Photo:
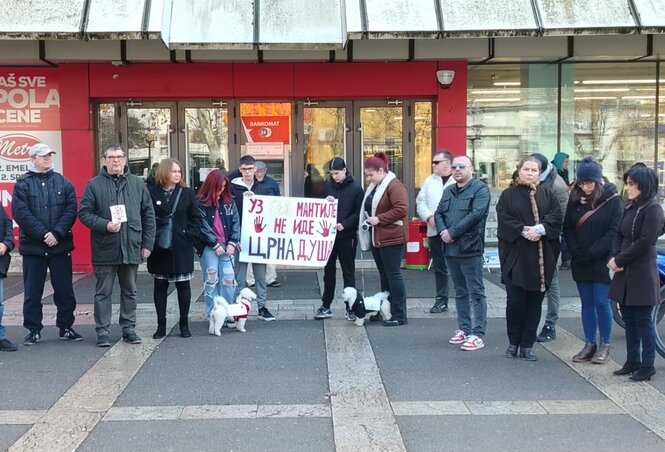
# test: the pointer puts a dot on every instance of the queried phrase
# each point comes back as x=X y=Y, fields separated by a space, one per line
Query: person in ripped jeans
x=220 y=234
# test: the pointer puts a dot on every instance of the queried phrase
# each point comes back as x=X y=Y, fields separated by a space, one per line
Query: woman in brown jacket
x=636 y=284
x=383 y=229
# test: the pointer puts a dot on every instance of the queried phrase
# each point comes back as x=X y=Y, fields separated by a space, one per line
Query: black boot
x=184 y=328
x=161 y=329
x=511 y=352
x=527 y=354
x=547 y=334
x=628 y=368
x=644 y=374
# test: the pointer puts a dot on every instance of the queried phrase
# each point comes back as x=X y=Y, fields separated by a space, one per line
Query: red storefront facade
x=82 y=86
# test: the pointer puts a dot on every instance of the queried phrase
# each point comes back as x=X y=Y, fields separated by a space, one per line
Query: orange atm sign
x=267 y=129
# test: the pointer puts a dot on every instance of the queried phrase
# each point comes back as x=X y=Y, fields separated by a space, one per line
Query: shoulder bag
x=164 y=230
x=586 y=216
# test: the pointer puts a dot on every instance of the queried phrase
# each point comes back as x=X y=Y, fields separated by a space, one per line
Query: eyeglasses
x=251 y=168
x=458 y=166
x=114 y=157
x=436 y=162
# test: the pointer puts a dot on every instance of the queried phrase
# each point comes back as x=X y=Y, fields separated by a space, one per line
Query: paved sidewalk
x=317 y=385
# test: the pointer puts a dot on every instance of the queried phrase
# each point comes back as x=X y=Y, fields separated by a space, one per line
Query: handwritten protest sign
x=288 y=231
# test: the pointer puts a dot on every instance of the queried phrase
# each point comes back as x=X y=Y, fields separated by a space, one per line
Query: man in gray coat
x=117 y=208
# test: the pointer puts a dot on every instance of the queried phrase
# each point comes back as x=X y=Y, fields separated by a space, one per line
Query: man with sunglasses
x=426 y=203
x=460 y=221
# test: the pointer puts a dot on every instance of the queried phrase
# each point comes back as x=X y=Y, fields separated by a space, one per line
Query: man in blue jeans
x=460 y=222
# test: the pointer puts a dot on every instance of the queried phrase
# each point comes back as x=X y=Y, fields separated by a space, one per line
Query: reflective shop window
x=106 y=127
x=660 y=159
x=148 y=139
x=324 y=130
x=423 y=142
x=614 y=114
x=607 y=111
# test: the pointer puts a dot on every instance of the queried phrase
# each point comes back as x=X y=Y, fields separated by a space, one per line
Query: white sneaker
x=473 y=342
x=458 y=338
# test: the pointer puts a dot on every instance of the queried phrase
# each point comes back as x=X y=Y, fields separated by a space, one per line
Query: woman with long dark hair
x=343 y=187
x=218 y=238
x=384 y=214
x=590 y=224
x=636 y=284
x=176 y=264
x=529 y=225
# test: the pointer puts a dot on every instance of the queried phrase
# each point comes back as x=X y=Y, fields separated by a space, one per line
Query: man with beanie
x=426 y=203
x=550 y=179
x=44 y=207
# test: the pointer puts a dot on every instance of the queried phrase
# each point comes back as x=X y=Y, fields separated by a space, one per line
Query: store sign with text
x=29 y=114
x=266 y=129
x=287 y=231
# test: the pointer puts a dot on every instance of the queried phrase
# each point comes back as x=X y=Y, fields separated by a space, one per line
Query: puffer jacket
x=124 y=247
x=349 y=197
x=429 y=197
x=551 y=179
x=463 y=212
x=42 y=203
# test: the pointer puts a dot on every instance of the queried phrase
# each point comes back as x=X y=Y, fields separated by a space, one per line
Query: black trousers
x=345 y=251
x=523 y=309
x=640 y=333
x=34 y=277
x=388 y=261
x=440 y=268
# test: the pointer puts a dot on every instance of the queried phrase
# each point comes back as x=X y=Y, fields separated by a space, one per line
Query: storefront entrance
x=295 y=139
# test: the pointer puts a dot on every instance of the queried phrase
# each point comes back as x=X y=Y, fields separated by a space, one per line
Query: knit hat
x=588 y=170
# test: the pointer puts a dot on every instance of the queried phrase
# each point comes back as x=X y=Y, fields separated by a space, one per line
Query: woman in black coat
x=636 y=284
x=591 y=221
x=529 y=225
x=177 y=263
x=343 y=187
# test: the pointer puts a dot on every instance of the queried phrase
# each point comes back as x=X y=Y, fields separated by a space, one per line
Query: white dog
x=361 y=307
x=222 y=309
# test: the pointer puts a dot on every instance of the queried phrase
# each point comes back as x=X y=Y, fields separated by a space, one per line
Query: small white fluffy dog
x=362 y=307
x=220 y=311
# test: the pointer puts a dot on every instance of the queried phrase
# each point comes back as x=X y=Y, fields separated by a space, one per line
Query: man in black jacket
x=44 y=207
x=460 y=221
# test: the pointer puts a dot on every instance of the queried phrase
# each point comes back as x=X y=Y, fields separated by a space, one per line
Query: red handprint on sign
x=258 y=225
x=325 y=228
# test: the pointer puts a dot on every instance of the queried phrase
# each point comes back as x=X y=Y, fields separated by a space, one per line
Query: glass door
x=324 y=137
x=149 y=132
x=380 y=129
x=204 y=140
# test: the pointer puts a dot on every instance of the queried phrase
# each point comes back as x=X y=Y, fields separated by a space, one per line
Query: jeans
x=345 y=251
x=639 y=331
x=259 y=280
x=467 y=274
x=34 y=277
x=106 y=274
x=212 y=266
x=523 y=309
x=2 y=306
x=553 y=293
x=440 y=268
x=596 y=311
x=388 y=261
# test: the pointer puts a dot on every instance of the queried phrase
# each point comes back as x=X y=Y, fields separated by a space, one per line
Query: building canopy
x=321 y=24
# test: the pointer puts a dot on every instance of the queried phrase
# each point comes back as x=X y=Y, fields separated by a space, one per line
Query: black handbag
x=164 y=230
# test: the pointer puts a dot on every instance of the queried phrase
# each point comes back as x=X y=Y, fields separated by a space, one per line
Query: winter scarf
x=536 y=216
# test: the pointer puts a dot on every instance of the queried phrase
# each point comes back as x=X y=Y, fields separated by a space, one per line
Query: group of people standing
x=601 y=232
